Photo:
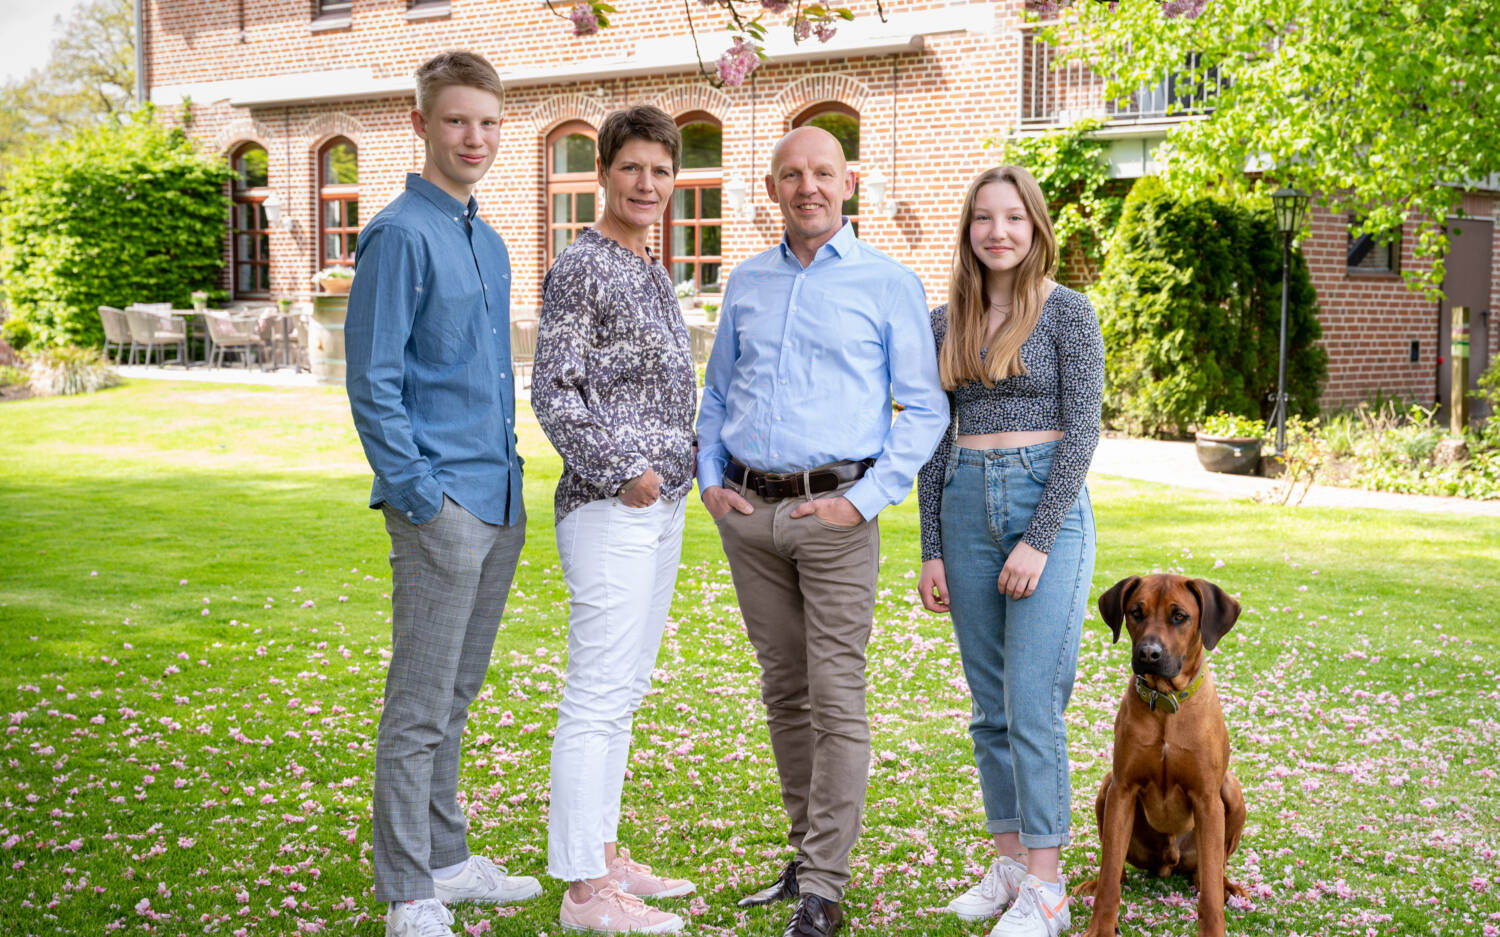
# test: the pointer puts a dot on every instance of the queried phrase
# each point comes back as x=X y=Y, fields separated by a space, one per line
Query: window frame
x=249 y=196
x=696 y=181
x=572 y=184
x=1367 y=243
x=336 y=192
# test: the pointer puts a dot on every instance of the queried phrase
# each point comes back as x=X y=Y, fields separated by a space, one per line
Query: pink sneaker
x=611 y=911
x=636 y=878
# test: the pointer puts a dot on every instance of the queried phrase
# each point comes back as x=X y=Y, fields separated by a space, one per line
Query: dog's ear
x=1112 y=603
x=1217 y=612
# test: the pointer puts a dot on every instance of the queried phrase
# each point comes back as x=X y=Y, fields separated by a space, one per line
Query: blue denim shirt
x=807 y=361
x=427 y=341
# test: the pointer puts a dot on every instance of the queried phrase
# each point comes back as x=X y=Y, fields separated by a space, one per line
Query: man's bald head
x=808 y=141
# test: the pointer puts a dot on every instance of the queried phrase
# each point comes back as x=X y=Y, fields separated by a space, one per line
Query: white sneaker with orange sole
x=1038 y=912
x=611 y=911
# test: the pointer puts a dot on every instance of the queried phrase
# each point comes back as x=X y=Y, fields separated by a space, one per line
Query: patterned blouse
x=613 y=383
x=1061 y=389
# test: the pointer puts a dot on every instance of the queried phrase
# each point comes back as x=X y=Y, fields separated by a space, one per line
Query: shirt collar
x=843 y=243
x=449 y=205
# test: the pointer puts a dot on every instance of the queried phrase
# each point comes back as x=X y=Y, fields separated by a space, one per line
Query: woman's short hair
x=459 y=67
x=641 y=122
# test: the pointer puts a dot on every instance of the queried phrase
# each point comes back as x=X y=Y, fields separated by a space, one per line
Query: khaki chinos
x=807 y=591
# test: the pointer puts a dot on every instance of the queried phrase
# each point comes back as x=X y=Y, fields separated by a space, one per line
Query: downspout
x=140 y=53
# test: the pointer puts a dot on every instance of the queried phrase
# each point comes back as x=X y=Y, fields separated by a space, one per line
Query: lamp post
x=1289 y=206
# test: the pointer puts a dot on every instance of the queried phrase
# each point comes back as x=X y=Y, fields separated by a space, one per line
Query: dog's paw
x=1085 y=889
x=1230 y=888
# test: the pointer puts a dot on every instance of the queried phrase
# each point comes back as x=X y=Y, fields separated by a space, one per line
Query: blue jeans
x=1019 y=655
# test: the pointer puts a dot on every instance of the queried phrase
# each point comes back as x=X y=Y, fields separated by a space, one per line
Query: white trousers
x=620 y=566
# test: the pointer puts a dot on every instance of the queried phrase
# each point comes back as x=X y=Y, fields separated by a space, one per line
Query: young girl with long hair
x=1008 y=531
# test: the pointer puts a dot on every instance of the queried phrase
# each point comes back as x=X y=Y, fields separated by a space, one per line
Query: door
x=1466 y=282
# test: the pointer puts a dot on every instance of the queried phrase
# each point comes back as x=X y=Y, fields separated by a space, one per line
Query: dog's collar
x=1172 y=700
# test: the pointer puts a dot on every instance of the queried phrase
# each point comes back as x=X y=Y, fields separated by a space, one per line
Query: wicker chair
x=523 y=348
x=151 y=327
x=116 y=331
x=230 y=334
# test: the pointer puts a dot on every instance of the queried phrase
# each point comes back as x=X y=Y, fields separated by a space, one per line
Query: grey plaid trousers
x=449 y=581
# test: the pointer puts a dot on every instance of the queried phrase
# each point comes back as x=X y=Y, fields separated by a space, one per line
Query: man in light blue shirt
x=798 y=454
x=430 y=387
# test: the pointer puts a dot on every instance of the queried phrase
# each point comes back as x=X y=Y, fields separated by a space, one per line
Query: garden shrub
x=1190 y=305
x=68 y=369
x=112 y=215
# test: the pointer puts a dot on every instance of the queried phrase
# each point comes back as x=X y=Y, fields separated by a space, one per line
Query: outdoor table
x=286 y=339
x=187 y=316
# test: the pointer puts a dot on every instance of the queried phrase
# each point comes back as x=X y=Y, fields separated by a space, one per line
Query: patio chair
x=523 y=348
x=116 y=331
x=230 y=334
x=151 y=327
x=702 y=338
x=285 y=335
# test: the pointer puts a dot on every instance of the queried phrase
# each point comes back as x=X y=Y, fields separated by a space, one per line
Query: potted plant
x=335 y=279
x=1230 y=443
x=200 y=301
x=284 y=304
x=710 y=312
x=687 y=295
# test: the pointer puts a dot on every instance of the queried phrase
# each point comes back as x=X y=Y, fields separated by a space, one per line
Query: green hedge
x=110 y=216
x=1190 y=305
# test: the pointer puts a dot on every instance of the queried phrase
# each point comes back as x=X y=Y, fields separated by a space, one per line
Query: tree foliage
x=1190 y=305
x=1072 y=169
x=89 y=78
x=114 y=214
x=1377 y=107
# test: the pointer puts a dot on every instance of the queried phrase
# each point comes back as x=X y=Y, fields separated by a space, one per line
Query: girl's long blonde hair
x=959 y=360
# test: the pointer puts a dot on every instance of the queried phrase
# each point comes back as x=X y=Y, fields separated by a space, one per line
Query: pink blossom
x=825 y=30
x=737 y=62
x=585 y=22
x=775 y=6
x=801 y=28
x=1188 y=8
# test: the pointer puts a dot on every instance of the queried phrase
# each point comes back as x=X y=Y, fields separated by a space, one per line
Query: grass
x=194 y=620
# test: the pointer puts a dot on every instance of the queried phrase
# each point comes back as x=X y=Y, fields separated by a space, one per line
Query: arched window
x=842 y=121
x=250 y=235
x=572 y=184
x=692 y=228
x=338 y=202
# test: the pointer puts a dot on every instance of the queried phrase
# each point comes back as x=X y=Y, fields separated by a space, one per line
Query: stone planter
x=1233 y=455
x=325 y=339
x=336 y=286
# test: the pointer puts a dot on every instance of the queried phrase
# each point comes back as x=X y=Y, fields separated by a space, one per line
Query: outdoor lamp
x=876 y=185
x=272 y=206
x=1289 y=206
x=735 y=189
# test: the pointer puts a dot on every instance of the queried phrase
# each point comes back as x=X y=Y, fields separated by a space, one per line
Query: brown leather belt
x=775 y=486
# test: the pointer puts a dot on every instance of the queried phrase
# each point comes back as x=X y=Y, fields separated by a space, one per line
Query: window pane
x=352 y=242
x=573 y=153
x=250 y=168
x=584 y=205
x=711 y=202
x=682 y=241
x=684 y=205
x=243 y=278
x=263 y=276
x=261 y=223
x=242 y=246
x=340 y=164
x=682 y=273
x=708 y=239
x=561 y=237
x=702 y=146
x=562 y=208
x=331 y=214
x=710 y=275
x=263 y=246
x=351 y=214
x=330 y=247
x=843 y=127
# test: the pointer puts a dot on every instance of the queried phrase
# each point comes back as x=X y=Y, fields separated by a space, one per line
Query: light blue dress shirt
x=427 y=341
x=807 y=361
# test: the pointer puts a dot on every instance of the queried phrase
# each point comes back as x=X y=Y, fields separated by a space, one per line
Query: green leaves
x=112 y=215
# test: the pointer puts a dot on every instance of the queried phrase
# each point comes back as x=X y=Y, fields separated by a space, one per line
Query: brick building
x=309 y=100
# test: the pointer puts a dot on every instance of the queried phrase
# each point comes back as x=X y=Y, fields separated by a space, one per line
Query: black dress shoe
x=783 y=889
x=814 y=917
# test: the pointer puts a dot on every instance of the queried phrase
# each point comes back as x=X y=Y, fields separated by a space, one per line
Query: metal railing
x=1056 y=92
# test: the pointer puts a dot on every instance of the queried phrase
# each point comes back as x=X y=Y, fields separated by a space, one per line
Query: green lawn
x=193 y=623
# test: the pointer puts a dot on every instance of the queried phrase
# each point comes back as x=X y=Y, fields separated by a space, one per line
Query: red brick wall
x=946 y=99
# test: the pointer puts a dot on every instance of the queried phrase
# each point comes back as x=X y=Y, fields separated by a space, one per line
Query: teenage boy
x=430 y=386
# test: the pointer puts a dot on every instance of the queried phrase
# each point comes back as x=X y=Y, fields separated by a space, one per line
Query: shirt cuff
x=866 y=498
x=710 y=472
x=421 y=502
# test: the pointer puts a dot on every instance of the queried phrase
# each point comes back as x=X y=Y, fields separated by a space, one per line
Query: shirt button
x=783 y=380
x=801 y=276
x=494 y=331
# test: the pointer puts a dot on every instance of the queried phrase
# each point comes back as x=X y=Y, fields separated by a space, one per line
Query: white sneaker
x=1038 y=912
x=993 y=894
x=485 y=882
x=424 y=918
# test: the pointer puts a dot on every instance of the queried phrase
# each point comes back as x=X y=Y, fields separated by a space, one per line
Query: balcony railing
x=1056 y=93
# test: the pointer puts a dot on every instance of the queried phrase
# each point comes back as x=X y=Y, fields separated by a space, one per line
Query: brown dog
x=1171 y=804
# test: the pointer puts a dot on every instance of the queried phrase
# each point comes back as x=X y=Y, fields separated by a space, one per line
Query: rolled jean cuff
x=1003 y=826
x=1044 y=840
